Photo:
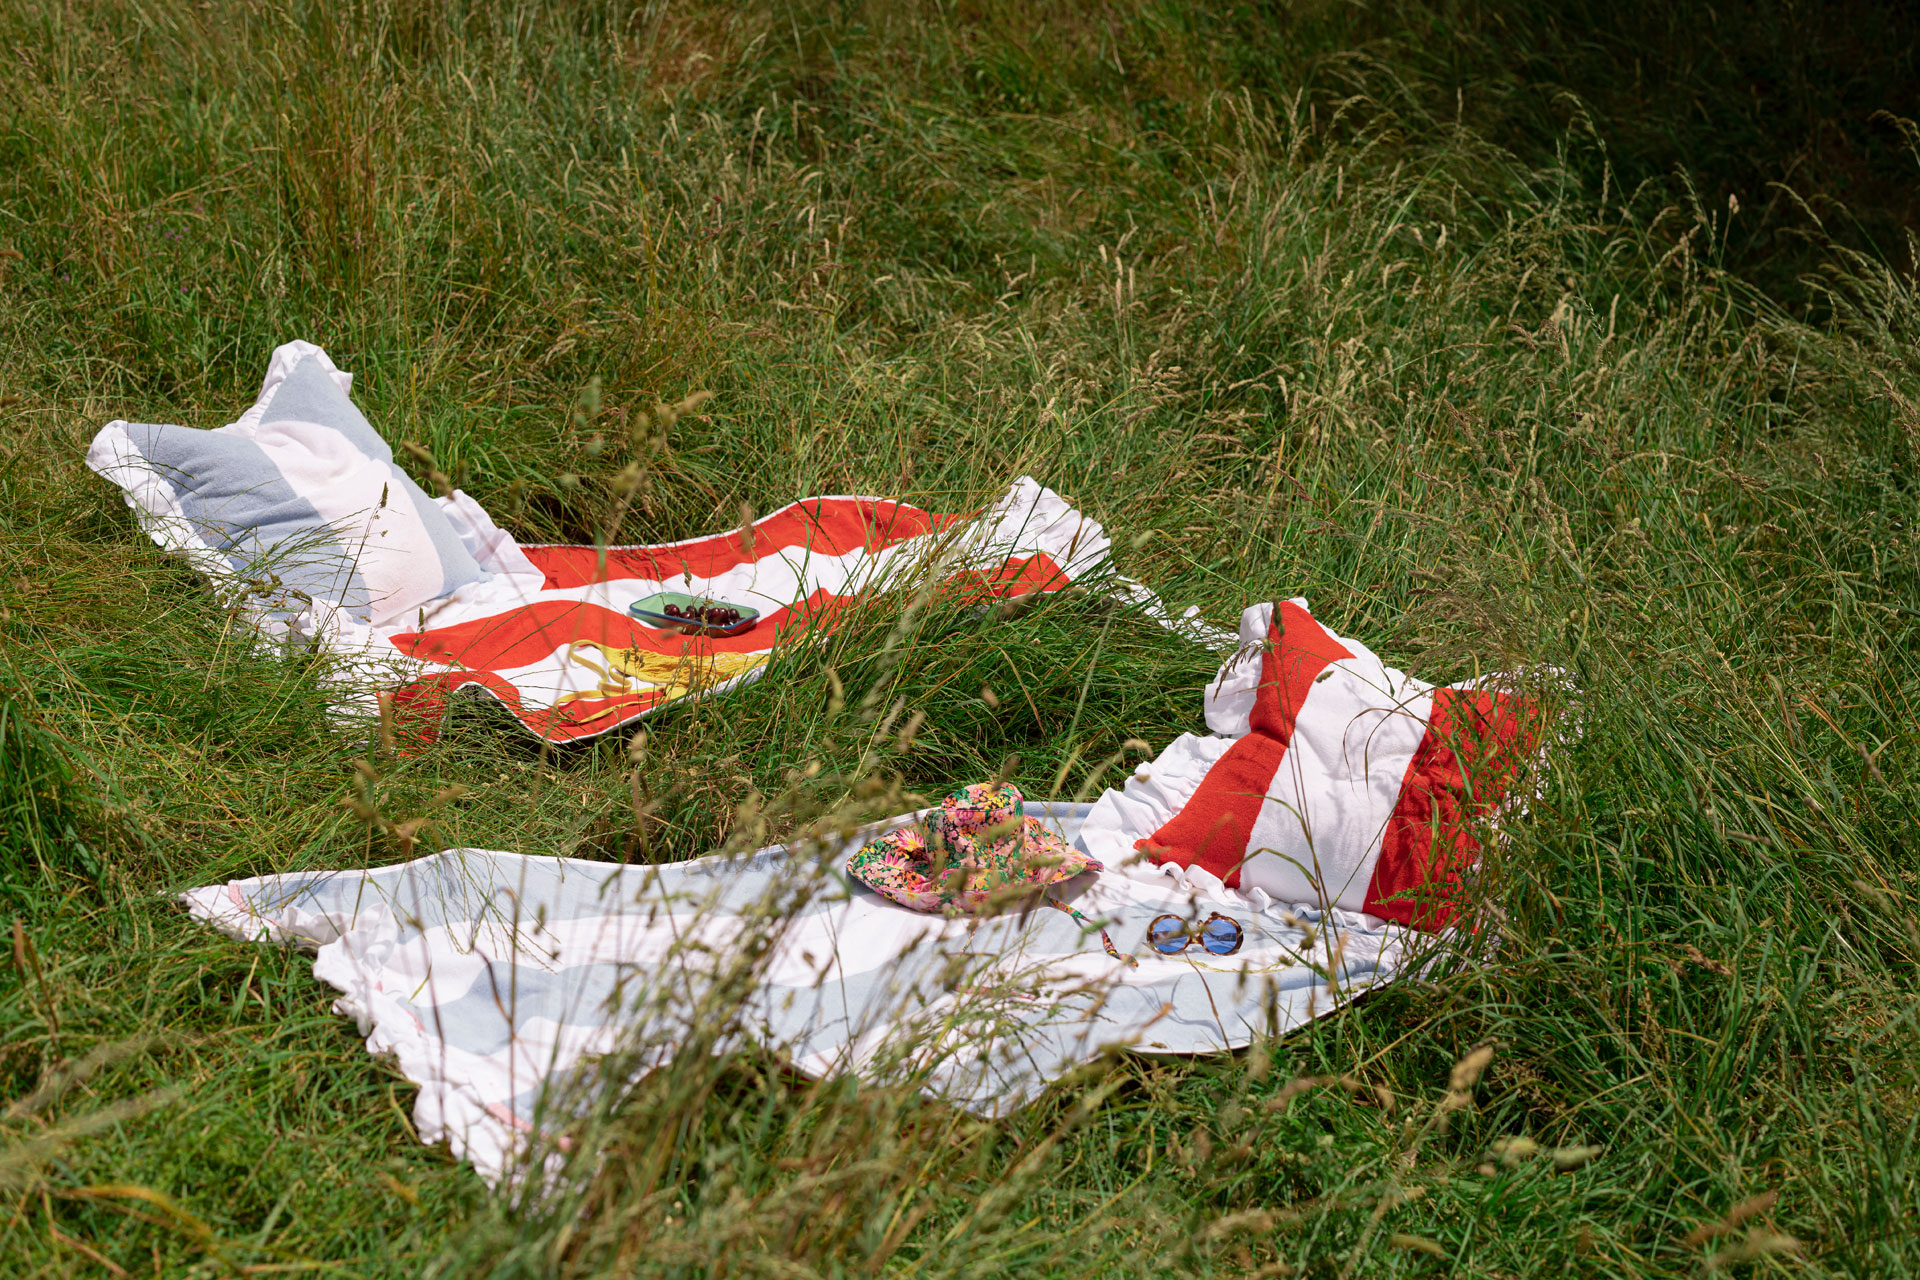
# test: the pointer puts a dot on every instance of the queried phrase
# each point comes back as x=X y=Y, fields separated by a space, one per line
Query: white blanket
x=492 y=977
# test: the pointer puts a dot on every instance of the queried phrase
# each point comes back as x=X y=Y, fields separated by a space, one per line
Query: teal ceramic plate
x=690 y=618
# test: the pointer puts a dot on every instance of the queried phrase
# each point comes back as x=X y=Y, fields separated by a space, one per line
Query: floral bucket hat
x=977 y=842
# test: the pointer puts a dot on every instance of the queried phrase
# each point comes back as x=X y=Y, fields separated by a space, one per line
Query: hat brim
x=1051 y=859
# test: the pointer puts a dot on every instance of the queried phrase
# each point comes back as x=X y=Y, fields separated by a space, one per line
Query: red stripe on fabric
x=423 y=703
x=823 y=526
x=1017 y=577
x=584 y=718
x=420 y=705
x=1465 y=764
x=1297 y=650
x=1212 y=829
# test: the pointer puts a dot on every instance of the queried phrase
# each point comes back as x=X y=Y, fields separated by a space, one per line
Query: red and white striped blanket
x=548 y=634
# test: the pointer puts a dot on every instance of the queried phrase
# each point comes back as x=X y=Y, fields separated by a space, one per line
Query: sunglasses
x=1217 y=935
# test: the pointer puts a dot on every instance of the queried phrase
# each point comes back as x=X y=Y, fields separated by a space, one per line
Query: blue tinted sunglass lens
x=1167 y=936
x=1221 y=937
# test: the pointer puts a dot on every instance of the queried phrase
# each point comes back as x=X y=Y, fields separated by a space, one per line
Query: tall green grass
x=1249 y=300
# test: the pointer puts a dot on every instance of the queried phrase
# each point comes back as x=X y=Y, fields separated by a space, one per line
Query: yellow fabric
x=624 y=672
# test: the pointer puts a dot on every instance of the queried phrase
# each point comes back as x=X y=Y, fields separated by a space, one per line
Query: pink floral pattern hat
x=979 y=841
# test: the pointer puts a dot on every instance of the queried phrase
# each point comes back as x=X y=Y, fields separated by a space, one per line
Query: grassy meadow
x=1263 y=290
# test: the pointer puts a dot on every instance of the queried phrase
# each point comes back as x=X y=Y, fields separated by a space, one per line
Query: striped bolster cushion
x=1340 y=781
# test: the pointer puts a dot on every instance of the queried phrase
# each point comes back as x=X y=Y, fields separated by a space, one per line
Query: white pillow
x=301 y=489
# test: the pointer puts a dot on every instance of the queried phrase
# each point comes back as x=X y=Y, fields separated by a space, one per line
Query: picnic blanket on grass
x=494 y=979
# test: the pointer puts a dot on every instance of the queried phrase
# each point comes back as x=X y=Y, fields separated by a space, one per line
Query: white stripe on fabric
x=1149 y=799
x=491 y=547
x=371 y=515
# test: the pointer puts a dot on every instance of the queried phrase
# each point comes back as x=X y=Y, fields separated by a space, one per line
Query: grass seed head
x=1745 y=1210
x=1568 y=1159
x=1465 y=1075
x=1417 y=1244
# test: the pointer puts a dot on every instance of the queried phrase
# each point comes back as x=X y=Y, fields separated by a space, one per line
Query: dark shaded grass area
x=1794 y=110
x=1249 y=293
